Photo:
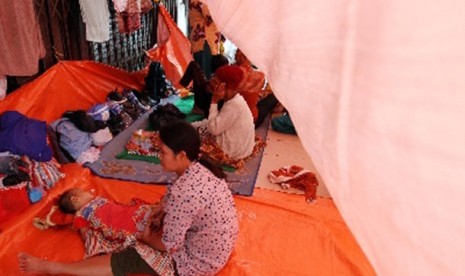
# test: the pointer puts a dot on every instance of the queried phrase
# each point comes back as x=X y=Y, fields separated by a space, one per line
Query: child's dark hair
x=65 y=204
x=182 y=136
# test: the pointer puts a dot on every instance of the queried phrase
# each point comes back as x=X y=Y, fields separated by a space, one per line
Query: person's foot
x=31 y=264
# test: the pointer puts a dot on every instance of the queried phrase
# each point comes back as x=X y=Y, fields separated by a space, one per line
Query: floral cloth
x=296 y=177
x=202 y=28
x=111 y=227
x=144 y=143
x=211 y=149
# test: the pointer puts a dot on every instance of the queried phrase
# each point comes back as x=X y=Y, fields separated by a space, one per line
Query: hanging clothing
x=128 y=13
x=202 y=28
x=204 y=36
x=96 y=16
x=21 y=43
x=3 y=87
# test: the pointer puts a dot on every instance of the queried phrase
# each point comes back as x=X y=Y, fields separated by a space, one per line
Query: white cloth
x=120 y=5
x=230 y=51
x=376 y=92
x=233 y=127
x=101 y=137
x=90 y=155
x=96 y=16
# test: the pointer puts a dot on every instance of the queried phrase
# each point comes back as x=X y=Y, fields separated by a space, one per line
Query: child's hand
x=156 y=208
x=149 y=236
x=155 y=222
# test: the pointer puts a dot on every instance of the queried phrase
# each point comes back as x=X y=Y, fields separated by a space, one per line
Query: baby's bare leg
x=98 y=265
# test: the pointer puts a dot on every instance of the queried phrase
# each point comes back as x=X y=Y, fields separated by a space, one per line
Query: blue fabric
x=99 y=112
x=35 y=194
x=283 y=124
x=24 y=136
x=73 y=140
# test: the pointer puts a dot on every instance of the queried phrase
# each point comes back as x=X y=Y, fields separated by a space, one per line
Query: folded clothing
x=22 y=135
x=70 y=138
x=296 y=177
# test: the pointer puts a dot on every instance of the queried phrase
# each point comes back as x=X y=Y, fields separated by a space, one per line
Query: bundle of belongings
x=296 y=177
x=25 y=157
x=79 y=135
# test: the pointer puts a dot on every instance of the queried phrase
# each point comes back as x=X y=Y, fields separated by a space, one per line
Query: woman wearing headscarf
x=232 y=126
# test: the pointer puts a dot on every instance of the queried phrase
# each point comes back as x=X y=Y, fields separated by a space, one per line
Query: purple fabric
x=24 y=136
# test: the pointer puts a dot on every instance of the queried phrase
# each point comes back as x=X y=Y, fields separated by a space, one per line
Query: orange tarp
x=280 y=234
x=173 y=49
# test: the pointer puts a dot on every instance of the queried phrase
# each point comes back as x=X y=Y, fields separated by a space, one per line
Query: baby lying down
x=107 y=226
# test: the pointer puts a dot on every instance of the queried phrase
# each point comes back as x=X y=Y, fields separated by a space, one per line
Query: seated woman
x=255 y=90
x=195 y=74
x=232 y=126
x=200 y=225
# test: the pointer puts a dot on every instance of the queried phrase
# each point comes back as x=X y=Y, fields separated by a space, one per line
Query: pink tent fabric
x=376 y=90
x=21 y=44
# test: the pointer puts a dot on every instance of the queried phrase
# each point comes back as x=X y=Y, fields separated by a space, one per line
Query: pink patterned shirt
x=200 y=225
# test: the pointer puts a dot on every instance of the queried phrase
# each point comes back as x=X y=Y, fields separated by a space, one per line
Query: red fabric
x=129 y=20
x=296 y=177
x=12 y=202
x=252 y=99
x=80 y=223
x=230 y=74
x=111 y=213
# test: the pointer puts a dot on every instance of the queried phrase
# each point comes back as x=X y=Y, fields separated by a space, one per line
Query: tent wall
x=376 y=92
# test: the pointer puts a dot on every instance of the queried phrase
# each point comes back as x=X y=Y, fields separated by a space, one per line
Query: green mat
x=185 y=105
x=125 y=155
x=156 y=160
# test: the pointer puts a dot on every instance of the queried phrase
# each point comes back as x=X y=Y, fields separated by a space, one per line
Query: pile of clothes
x=26 y=159
x=79 y=135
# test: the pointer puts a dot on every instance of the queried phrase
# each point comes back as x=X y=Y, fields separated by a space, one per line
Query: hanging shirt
x=21 y=44
x=96 y=16
x=202 y=28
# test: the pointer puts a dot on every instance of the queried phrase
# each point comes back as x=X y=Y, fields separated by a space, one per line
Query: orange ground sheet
x=280 y=234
